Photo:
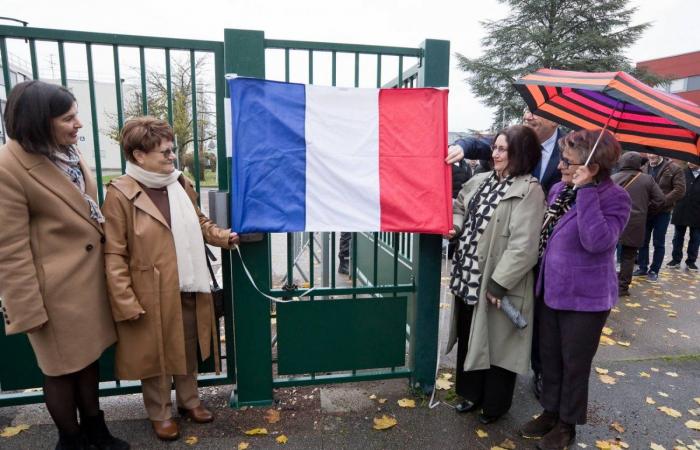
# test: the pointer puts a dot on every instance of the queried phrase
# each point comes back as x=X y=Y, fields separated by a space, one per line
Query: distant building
x=683 y=70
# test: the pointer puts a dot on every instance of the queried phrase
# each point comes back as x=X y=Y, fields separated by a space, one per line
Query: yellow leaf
x=624 y=444
x=654 y=369
x=604 y=340
x=669 y=411
x=632 y=305
x=256 y=431
x=13 y=431
x=672 y=374
x=407 y=403
x=481 y=433
x=582 y=445
x=507 y=445
x=693 y=425
x=443 y=385
x=672 y=330
x=651 y=401
x=602 y=445
x=281 y=439
x=663 y=394
x=607 y=331
x=372 y=397
x=607 y=379
x=620 y=374
x=697 y=400
x=384 y=422
x=191 y=440
x=446 y=376
x=272 y=416
x=600 y=371
x=617 y=427
x=243 y=446
x=381 y=401
x=654 y=446
x=623 y=343
x=644 y=375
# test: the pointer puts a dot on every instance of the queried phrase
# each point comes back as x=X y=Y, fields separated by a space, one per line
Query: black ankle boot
x=98 y=436
x=71 y=441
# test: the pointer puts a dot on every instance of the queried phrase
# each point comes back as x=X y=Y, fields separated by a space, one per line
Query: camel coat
x=51 y=263
x=141 y=267
x=507 y=251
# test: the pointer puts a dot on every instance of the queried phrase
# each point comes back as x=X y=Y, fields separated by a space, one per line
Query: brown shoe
x=560 y=438
x=539 y=426
x=166 y=430
x=200 y=414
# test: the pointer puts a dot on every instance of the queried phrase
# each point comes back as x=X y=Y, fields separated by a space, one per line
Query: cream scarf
x=184 y=225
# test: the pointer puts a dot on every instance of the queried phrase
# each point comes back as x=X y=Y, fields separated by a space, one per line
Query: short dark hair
x=524 y=150
x=144 y=133
x=31 y=106
x=606 y=154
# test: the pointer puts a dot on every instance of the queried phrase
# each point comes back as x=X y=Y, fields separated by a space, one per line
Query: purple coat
x=578 y=266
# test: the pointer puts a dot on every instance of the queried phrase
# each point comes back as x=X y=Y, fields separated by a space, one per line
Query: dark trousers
x=568 y=342
x=344 y=247
x=492 y=388
x=693 y=244
x=657 y=225
x=627 y=257
x=535 y=359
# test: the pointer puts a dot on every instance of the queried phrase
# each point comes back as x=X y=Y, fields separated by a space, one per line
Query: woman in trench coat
x=497 y=219
x=157 y=277
x=52 y=280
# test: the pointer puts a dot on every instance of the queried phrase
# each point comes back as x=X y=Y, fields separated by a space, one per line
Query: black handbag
x=217 y=292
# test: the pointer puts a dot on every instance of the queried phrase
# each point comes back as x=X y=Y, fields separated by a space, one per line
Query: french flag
x=317 y=158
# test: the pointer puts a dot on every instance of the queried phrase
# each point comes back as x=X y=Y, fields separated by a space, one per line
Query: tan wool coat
x=51 y=263
x=507 y=252
x=142 y=275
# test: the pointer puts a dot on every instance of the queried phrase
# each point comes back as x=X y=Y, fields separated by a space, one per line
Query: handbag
x=217 y=292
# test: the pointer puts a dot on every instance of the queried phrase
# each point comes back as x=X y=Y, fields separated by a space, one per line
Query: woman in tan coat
x=497 y=217
x=157 y=276
x=52 y=280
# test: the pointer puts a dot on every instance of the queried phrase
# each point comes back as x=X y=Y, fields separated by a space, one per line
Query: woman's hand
x=451 y=234
x=583 y=175
x=233 y=239
x=494 y=301
x=454 y=154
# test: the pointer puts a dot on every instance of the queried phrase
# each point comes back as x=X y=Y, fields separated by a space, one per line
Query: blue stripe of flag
x=269 y=156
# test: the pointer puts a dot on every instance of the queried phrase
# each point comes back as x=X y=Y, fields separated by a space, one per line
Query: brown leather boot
x=538 y=427
x=200 y=414
x=166 y=430
x=560 y=438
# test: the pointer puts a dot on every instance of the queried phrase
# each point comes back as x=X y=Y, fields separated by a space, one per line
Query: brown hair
x=606 y=154
x=523 y=149
x=144 y=133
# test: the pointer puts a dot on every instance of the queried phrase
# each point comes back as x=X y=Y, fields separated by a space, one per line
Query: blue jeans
x=657 y=226
x=693 y=244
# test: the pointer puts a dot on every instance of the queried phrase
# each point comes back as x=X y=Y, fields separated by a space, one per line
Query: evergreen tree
x=586 y=35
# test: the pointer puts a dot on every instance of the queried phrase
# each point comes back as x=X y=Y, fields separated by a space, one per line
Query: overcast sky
x=404 y=23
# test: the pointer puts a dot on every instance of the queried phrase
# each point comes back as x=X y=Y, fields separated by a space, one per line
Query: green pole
x=244 y=53
x=434 y=72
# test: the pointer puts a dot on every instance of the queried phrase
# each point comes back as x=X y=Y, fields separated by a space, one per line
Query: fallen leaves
x=632 y=305
x=607 y=331
x=381 y=401
x=617 y=427
x=651 y=401
x=624 y=343
x=697 y=400
x=406 y=403
x=601 y=371
x=654 y=446
x=443 y=383
x=13 y=431
x=481 y=433
x=604 y=340
x=644 y=375
x=672 y=374
x=607 y=379
x=281 y=439
x=272 y=416
x=191 y=440
x=256 y=431
x=505 y=445
x=663 y=394
x=693 y=425
x=243 y=446
x=669 y=411
x=384 y=423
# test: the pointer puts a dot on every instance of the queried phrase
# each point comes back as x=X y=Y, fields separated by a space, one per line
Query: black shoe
x=639 y=273
x=691 y=267
x=486 y=419
x=673 y=264
x=560 y=438
x=344 y=267
x=98 y=436
x=466 y=406
x=537 y=385
x=623 y=293
x=71 y=442
x=540 y=426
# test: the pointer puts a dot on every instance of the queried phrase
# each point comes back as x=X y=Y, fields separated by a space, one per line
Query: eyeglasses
x=568 y=163
x=497 y=149
x=167 y=153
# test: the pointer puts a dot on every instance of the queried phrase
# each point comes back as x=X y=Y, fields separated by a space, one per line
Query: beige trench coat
x=507 y=252
x=51 y=263
x=142 y=275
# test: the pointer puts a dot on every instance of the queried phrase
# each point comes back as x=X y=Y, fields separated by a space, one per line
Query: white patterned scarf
x=69 y=163
x=184 y=225
x=465 y=281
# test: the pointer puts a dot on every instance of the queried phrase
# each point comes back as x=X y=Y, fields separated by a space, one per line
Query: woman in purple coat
x=586 y=215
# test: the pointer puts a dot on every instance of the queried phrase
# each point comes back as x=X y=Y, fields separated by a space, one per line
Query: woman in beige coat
x=52 y=280
x=157 y=276
x=497 y=219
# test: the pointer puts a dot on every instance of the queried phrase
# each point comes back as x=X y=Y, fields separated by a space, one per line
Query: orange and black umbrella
x=641 y=117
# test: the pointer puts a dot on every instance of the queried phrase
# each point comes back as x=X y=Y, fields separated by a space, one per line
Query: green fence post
x=427 y=251
x=244 y=52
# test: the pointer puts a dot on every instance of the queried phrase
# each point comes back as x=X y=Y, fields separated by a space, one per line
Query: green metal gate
x=383 y=325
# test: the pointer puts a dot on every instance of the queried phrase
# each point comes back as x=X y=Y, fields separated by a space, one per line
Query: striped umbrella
x=641 y=117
